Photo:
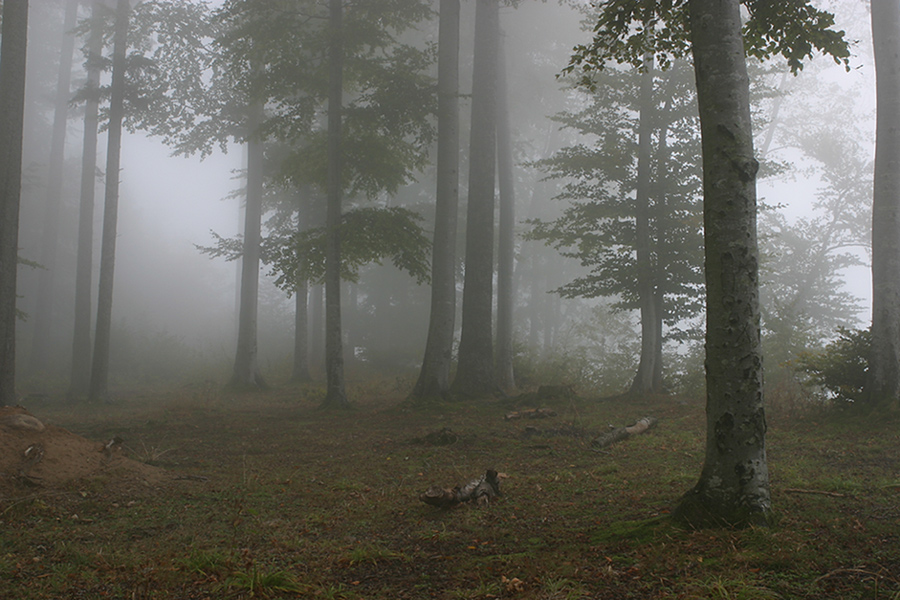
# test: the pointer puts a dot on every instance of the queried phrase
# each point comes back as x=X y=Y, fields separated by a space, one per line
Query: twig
x=819 y=492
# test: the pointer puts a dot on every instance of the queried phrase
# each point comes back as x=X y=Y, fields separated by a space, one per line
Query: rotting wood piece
x=621 y=433
x=481 y=490
x=533 y=413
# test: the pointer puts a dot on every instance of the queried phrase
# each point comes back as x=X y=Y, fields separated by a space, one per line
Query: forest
x=539 y=299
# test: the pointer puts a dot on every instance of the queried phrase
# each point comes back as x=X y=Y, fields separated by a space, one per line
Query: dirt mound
x=33 y=454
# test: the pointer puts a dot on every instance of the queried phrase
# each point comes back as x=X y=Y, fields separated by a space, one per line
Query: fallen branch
x=622 y=433
x=533 y=413
x=481 y=490
x=819 y=492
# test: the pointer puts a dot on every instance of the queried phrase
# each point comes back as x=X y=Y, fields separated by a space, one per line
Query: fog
x=175 y=309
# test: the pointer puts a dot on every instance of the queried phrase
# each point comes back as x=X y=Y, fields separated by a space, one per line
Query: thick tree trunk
x=335 y=394
x=734 y=484
x=651 y=334
x=883 y=386
x=246 y=374
x=434 y=378
x=475 y=371
x=506 y=249
x=45 y=309
x=79 y=383
x=99 y=387
x=12 y=110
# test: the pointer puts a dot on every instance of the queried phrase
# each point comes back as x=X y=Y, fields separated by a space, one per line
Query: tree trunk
x=506 y=292
x=44 y=310
x=434 y=378
x=12 y=110
x=300 y=373
x=99 y=386
x=733 y=488
x=246 y=374
x=651 y=334
x=884 y=374
x=80 y=379
x=335 y=394
x=475 y=371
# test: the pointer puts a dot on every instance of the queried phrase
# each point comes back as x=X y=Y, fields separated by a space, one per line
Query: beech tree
x=883 y=386
x=733 y=488
x=12 y=107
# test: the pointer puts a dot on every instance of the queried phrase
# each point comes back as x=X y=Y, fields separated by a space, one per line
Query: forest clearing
x=268 y=496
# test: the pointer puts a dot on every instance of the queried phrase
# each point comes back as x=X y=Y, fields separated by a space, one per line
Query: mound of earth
x=33 y=454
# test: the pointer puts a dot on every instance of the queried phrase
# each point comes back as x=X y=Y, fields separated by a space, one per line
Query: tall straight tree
x=44 y=310
x=475 y=370
x=434 y=378
x=245 y=373
x=80 y=378
x=884 y=373
x=99 y=386
x=506 y=249
x=12 y=109
x=335 y=393
x=734 y=484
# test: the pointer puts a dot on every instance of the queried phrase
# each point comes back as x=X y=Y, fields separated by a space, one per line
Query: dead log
x=481 y=490
x=621 y=433
x=532 y=413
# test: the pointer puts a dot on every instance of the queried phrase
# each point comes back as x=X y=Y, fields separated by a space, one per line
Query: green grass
x=278 y=499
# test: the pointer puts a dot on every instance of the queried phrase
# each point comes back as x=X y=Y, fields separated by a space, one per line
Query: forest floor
x=211 y=495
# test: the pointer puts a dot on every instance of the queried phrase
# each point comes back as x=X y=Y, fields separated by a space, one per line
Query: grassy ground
x=285 y=501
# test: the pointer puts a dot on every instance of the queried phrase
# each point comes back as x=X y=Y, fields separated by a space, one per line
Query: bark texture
x=884 y=374
x=434 y=378
x=79 y=382
x=246 y=374
x=99 y=387
x=733 y=489
x=12 y=109
x=335 y=393
x=45 y=309
x=475 y=371
x=506 y=249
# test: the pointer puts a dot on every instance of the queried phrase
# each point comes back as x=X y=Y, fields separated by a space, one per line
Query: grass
x=279 y=499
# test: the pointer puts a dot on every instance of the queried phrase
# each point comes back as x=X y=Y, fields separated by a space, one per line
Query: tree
x=99 y=386
x=12 y=107
x=475 y=369
x=434 y=378
x=733 y=488
x=46 y=294
x=883 y=386
x=79 y=380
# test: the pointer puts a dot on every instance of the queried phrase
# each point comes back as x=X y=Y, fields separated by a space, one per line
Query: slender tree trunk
x=12 y=111
x=335 y=393
x=733 y=488
x=650 y=332
x=434 y=378
x=80 y=378
x=99 y=387
x=475 y=372
x=44 y=311
x=317 y=326
x=884 y=372
x=506 y=291
x=300 y=372
x=246 y=374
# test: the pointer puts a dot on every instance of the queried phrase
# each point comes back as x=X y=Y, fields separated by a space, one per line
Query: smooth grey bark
x=300 y=372
x=45 y=309
x=883 y=386
x=651 y=332
x=733 y=488
x=80 y=377
x=335 y=392
x=12 y=110
x=99 y=386
x=475 y=370
x=506 y=249
x=434 y=378
x=246 y=374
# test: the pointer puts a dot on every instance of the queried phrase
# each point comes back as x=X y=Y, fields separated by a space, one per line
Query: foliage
x=842 y=368
x=625 y=31
x=598 y=226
